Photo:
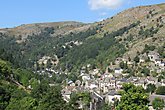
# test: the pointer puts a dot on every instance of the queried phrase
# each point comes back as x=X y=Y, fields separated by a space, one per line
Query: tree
x=110 y=70
x=4 y=98
x=40 y=90
x=161 y=51
x=49 y=64
x=72 y=77
x=136 y=59
x=5 y=69
x=151 y=88
x=161 y=90
x=27 y=103
x=148 y=48
x=133 y=98
x=13 y=105
x=106 y=106
x=34 y=82
x=52 y=100
x=123 y=65
x=83 y=97
x=158 y=104
x=23 y=76
x=145 y=71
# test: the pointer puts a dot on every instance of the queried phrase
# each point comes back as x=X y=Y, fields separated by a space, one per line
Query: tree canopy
x=160 y=90
x=133 y=98
x=158 y=104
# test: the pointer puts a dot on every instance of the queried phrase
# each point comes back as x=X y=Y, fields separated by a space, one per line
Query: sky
x=17 y=12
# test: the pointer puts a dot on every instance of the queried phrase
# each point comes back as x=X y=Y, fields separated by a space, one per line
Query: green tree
x=148 y=48
x=52 y=100
x=72 y=77
x=5 y=69
x=161 y=51
x=136 y=59
x=158 y=104
x=83 y=97
x=160 y=90
x=151 y=88
x=133 y=98
x=34 y=82
x=27 y=103
x=13 y=105
x=106 y=106
x=40 y=90
x=145 y=71
x=123 y=65
x=4 y=98
x=49 y=64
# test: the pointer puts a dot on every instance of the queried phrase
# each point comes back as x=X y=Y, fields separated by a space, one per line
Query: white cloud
x=104 y=4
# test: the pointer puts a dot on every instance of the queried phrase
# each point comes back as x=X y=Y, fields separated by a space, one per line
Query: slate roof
x=113 y=92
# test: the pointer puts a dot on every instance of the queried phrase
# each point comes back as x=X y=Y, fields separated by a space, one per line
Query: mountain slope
x=29 y=29
x=151 y=18
x=70 y=45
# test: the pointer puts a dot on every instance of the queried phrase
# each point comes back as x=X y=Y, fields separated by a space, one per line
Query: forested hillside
x=80 y=44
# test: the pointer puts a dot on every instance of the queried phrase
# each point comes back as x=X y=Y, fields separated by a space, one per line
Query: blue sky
x=17 y=12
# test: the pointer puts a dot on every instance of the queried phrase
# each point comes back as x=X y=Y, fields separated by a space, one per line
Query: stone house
x=118 y=70
x=120 y=82
x=142 y=58
x=112 y=96
x=151 y=80
x=85 y=77
x=153 y=56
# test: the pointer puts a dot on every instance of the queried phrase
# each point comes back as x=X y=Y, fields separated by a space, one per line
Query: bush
x=158 y=103
x=160 y=90
x=136 y=59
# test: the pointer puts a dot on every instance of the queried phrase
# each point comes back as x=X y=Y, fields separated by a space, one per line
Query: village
x=105 y=87
x=147 y=68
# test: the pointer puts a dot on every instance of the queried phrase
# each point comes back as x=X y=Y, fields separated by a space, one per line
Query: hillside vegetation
x=73 y=44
